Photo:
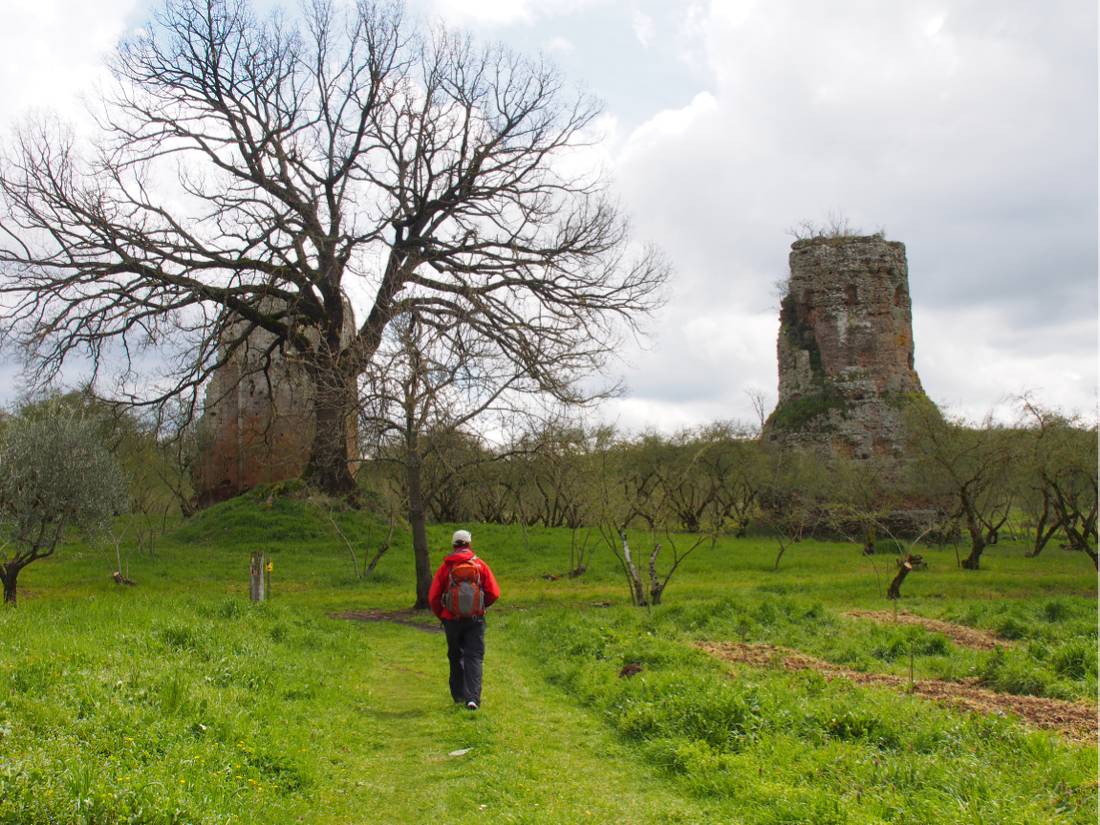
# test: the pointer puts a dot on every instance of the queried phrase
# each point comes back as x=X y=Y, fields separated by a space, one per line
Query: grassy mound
x=275 y=514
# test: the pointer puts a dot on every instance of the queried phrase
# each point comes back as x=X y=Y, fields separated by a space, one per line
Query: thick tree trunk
x=334 y=409
x=8 y=574
x=977 y=544
x=417 y=522
x=905 y=566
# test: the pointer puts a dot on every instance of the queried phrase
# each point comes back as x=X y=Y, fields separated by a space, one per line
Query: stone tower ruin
x=258 y=422
x=845 y=348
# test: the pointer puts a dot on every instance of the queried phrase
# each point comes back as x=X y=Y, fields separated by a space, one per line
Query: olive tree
x=55 y=475
x=281 y=173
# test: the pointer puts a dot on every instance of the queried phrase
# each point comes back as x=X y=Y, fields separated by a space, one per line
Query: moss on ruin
x=798 y=414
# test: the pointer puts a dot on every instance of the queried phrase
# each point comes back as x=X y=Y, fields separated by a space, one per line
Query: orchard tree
x=740 y=467
x=624 y=499
x=689 y=490
x=275 y=173
x=1062 y=464
x=428 y=386
x=969 y=465
x=795 y=496
x=55 y=474
x=561 y=474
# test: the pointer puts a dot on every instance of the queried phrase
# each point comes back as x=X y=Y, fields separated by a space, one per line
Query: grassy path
x=535 y=756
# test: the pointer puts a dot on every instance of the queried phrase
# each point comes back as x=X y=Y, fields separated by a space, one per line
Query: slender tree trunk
x=1078 y=539
x=418 y=523
x=637 y=589
x=656 y=586
x=1042 y=534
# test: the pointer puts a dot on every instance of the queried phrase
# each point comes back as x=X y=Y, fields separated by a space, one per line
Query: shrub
x=1011 y=627
x=1011 y=672
x=1055 y=611
x=1075 y=659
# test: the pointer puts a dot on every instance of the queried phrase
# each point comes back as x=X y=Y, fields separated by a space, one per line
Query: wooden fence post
x=256 y=589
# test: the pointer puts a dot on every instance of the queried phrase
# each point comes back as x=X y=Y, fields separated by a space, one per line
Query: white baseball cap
x=460 y=537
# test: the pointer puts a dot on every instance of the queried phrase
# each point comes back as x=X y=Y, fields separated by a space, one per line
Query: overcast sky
x=966 y=129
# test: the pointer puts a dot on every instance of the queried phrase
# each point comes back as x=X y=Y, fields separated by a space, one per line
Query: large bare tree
x=250 y=172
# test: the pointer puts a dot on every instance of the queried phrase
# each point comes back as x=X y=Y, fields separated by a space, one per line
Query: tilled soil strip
x=401 y=617
x=1076 y=720
x=959 y=634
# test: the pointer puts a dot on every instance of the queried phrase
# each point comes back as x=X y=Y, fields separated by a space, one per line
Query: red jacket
x=488 y=582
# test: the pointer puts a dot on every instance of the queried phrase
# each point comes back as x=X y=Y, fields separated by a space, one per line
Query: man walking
x=461 y=591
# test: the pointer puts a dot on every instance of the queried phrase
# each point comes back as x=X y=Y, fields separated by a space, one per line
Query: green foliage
x=153 y=466
x=55 y=473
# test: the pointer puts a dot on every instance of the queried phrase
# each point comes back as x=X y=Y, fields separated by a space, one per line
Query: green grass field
x=177 y=701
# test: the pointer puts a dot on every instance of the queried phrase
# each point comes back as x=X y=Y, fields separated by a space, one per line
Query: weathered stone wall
x=258 y=421
x=845 y=348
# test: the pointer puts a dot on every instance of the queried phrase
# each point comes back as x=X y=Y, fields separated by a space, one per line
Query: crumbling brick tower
x=258 y=422
x=845 y=348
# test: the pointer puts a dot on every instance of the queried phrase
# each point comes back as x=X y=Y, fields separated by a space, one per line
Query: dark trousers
x=465 y=652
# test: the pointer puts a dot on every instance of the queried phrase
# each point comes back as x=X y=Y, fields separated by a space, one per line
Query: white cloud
x=559 y=45
x=644 y=27
x=491 y=12
x=965 y=366
x=667 y=128
x=935 y=24
x=505 y=12
x=54 y=51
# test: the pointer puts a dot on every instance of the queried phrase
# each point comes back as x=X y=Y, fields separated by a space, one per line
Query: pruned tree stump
x=905 y=566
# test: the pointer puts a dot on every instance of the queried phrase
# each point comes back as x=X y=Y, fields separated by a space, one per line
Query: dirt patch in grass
x=1076 y=720
x=960 y=634
x=408 y=618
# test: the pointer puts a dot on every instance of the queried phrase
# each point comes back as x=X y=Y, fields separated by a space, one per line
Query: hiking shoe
x=472 y=705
